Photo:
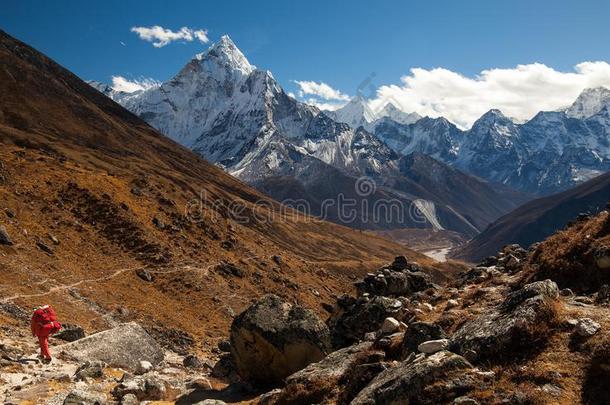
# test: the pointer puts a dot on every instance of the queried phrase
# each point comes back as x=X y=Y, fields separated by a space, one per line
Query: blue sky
x=338 y=43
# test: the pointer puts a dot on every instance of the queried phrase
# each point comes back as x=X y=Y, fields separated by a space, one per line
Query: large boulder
x=124 y=346
x=509 y=328
x=335 y=379
x=436 y=379
x=353 y=318
x=273 y=339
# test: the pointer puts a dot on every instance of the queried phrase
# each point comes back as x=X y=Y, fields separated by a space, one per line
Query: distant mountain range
x=552 y=152
x=238 y=117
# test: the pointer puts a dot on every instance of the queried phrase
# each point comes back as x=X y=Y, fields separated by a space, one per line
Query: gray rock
x=389 y=326
x=192 y=361
x=124 y=346
x=144 y=367
x=82 y=397
x=410 y=382
x=211 y=402
x=465 y=401
x=144 y=388
x=390 y=282
x=90 y=369
x=452 y=304
x=44 y=247
x=70 y=333
x=350 y=368
x=433 y=346
x=418 y=333
x=282 y=336
x=603 y=294
x=5 y=239
x=353 y=318
x=507 y=328
x=587 y=327
x=130 y=399
x=145 y=275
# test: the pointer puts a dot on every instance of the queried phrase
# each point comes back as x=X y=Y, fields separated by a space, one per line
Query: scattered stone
x=82 y=397
x=552 y=389
x=566 y=292
x=282 y=336
x=587 y=327
x=145 y=275
x=130 y=399
x=43 y=246
x=124 y=346
x=229 y=269
x=144 y=388
x=433 y=346
x=389 y=282
x=353 y=318
x=144 y=367
x=70 y=333
x=603 y=295
x=211 y=402
x=5 y=239
x=465 y=401
x=192 y=361
x=10 y=213
x=277 y=259
x=584 y=300
x=418 y=333
x=54 y=239
x=158 y=223
x=90 y=369
x=389 y=326
x=452 y=304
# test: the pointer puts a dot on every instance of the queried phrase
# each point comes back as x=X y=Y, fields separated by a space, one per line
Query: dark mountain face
x=537 y=219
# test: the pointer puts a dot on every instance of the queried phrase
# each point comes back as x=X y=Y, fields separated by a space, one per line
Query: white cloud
x=160 y=36
x=320 y=90
x=518 y=92
x=119 y=83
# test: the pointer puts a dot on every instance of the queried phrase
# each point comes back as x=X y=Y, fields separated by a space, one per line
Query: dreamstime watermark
x=361 y=205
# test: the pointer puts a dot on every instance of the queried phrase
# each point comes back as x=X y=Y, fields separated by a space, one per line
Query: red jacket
x=44 y=321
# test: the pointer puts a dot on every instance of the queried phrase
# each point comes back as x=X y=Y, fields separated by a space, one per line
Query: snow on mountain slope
x=394 y=113
x=435 y=137
x=589 y=102
x=549 y=153
x=356 y=113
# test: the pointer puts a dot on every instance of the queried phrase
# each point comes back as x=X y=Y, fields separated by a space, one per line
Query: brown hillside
x=110 y=197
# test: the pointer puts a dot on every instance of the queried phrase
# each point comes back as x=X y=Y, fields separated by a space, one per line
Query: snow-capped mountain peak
x=398 y=115
x=355 y=113
x=589 y=102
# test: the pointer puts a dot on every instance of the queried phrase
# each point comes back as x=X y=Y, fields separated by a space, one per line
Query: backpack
x=44 y=315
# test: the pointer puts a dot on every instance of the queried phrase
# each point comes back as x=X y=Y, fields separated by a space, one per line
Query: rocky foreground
x=522 y=327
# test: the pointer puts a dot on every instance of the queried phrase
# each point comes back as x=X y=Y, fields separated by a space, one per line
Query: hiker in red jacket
x=44 y=324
